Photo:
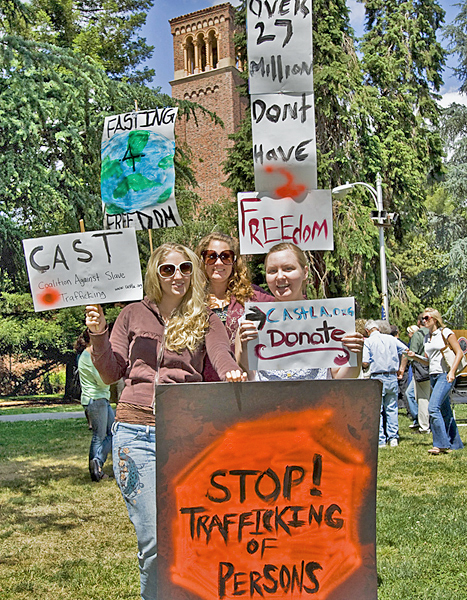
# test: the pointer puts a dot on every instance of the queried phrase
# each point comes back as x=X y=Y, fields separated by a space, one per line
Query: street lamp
x=381 y=219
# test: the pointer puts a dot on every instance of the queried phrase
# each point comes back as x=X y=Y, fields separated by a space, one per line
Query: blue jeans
x=411 y=401
x=134 y=459
x=101 y=416
x=389 y=422
x=442 y=422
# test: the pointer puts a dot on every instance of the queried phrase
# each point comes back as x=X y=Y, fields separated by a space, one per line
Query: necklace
x=215 y=302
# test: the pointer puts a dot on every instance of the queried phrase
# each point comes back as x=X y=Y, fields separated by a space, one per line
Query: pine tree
x=103 y=30
x=403 y=63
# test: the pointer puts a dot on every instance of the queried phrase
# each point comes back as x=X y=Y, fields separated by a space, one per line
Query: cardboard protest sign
x=280 y=54
x=267 y=490
x=83 y=268
x=137 y=172
x=284 y=145
x=265 y=221
x=303 y=334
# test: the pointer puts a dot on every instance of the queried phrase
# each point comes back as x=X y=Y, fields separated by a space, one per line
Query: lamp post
x=381 y=219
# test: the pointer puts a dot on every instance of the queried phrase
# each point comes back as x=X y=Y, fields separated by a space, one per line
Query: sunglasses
x=168 y=270
x=210 y=257
x=426 y=318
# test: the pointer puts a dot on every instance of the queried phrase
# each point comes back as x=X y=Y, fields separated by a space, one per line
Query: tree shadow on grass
x=32 y=494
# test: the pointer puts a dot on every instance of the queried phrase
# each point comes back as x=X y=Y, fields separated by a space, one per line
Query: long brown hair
x=239 y=284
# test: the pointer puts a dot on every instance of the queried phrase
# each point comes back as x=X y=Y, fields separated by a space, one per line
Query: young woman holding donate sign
x=162 y=339
x=286 y=274
x=228 y=285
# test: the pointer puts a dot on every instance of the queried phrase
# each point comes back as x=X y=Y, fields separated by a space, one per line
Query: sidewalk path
x=43 y=416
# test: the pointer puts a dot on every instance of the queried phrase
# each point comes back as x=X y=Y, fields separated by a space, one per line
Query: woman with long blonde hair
x=162 y=339
x=228 y=285
x=442 y=376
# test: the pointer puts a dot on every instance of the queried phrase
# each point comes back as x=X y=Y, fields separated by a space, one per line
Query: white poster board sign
x=304 y=334
x=280 y=54
x=137 y=170
x=76 y=269
x=284 y=144
x=264 y=221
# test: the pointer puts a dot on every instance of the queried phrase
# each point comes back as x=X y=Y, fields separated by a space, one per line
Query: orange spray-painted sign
x=274 y=504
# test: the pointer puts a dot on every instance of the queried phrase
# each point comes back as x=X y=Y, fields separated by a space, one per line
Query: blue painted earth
x=137 y=171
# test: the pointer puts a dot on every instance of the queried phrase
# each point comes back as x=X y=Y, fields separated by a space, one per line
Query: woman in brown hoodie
x=162 y=339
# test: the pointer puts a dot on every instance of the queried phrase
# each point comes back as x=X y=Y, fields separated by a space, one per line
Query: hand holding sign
x=256 y=314
x=95 y=319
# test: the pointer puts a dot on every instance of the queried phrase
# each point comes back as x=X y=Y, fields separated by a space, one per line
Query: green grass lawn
x=65 y=538
x=62 y=537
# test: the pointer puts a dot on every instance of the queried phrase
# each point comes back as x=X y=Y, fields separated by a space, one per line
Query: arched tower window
x=213 y=55
x=189 y=55
x=202 y=53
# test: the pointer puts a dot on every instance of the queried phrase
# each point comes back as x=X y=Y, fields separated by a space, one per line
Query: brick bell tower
x=207 y=72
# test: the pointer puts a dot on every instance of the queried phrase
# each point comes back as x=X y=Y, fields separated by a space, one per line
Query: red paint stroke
x=227 y=523
x=49 y=297
x=339 y=360
x=289 y=189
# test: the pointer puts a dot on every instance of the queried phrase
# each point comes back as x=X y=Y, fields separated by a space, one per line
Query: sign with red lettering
x=280 y=53
x=299 y=335
x=265 y=221
x=284 y=146
x=267 y=490
x=76 y=269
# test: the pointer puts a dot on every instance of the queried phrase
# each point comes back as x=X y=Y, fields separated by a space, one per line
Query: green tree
x=105 y=31
x=403 y=63
x=456 y=35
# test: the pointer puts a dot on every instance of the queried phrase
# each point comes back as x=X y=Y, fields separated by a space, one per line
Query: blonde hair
x=189 y=322
x=299 y=255
x=411 y=329
x=436 y=315
x=239 y=283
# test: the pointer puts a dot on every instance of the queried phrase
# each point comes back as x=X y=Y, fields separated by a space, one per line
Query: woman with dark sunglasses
x=228 y=285
x=162 y=339
x=442 y=423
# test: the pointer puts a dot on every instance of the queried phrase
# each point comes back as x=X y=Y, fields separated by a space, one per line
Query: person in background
x=404 y=381
x=162 y=339
x=228 y=286
x=418 y=392
x=95 y=395
x=287 y=271
x=382 y=354
x=443 y=425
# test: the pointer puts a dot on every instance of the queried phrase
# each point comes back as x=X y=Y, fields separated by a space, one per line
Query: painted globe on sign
x=137 y=171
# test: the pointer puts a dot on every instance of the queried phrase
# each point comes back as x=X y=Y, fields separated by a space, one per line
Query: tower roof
x=200 y=12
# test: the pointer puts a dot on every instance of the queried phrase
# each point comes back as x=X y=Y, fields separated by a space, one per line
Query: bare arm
x=246 y=332
x=453 y=342
x=418 y=358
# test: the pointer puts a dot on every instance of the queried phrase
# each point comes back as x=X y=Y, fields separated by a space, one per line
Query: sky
x=157 y=33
